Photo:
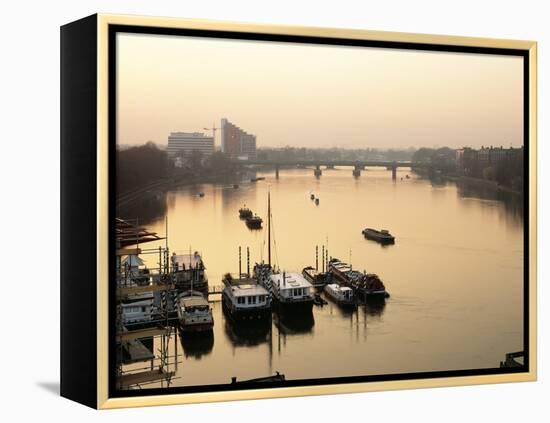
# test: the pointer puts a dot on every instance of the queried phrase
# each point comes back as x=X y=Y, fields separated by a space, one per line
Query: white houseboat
x=137 y=309
x=291 y=292
x=244 y=300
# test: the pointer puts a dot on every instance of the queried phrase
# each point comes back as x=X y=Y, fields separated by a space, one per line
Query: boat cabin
x=247 y=293
x=291 y=286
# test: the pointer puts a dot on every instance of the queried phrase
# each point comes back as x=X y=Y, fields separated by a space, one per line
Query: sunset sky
x=316 y=96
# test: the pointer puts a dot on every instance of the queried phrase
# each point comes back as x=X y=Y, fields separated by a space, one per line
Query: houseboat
x=342 y=295
x=366 y=286
x=244 y=300
x=382 y=236
x=194 y=312
x=188 y=272
x=137 y=309
x=291 y=292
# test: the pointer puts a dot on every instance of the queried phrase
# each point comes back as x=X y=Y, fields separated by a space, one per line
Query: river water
x=455 y=274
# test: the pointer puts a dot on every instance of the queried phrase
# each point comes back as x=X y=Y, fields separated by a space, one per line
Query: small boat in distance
x=382 y=236
x=245 y=212
x=312 y=197
x=235 y=186
x=201 y=194
x=317 y=201
x=342 y=295
x=260 y=178
x=254 y=222
x=194 y=312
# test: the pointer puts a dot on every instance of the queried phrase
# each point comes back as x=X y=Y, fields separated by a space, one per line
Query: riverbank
x=471 y=182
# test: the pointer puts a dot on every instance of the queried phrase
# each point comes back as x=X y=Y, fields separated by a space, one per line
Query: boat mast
x=269 y=228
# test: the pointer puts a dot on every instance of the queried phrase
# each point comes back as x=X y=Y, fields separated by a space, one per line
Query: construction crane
x=213 y=129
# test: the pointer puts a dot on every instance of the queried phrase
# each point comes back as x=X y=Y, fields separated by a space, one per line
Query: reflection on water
x=197 y=345
x=455 y=274
x=247 y=335
x=292 y=324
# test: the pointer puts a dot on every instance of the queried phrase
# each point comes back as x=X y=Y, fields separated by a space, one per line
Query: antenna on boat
x=248 y=261
x=240 y=270
x=323 y=259
x=269 y=227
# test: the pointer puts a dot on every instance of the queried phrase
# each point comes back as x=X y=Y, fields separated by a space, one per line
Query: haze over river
x=455 y=274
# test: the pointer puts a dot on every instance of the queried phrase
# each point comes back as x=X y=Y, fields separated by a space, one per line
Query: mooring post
x=317 y=172
x=277 y=171
x=317 y=257
x=394 y=171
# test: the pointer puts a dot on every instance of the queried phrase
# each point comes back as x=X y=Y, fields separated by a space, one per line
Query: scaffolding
x=145 y=318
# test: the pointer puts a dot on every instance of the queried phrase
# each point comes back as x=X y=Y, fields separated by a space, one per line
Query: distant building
x=237 y=143
x=469 y=160
x=181 y=144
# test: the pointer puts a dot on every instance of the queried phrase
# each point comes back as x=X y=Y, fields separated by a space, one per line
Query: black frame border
x=113 y=30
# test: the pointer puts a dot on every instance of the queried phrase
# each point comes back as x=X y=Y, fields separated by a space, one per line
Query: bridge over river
x=357 y=165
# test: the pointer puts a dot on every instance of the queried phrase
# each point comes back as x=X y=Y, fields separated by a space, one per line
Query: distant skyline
x=316 y=96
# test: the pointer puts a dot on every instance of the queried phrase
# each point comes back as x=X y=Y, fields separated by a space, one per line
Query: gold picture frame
x=98 y=35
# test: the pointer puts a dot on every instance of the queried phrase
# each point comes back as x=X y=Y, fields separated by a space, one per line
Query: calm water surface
x=454 y=275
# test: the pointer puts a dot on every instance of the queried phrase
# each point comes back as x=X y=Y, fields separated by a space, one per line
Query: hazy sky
x=316 y=96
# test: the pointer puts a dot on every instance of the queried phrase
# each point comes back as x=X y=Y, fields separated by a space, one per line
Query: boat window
x=252 y=299
x=240 y=300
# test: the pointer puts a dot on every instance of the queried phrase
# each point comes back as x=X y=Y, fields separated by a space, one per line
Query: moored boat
x=245 y=300
x=194 y=312
x=342 y=295
x=291 y=292
x=188 y=271
x=383 y=236
x=314 y=276
x=367 y=286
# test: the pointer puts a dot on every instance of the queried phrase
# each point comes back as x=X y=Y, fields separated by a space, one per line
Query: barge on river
x=315 y=277
x=366 y=286
x=382 y=236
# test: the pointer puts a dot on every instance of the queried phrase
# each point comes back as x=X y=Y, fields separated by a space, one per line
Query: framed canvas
x=256 y=211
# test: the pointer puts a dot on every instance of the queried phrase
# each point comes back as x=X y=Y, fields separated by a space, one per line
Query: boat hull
x=294 y=307
x=381 y=238
x=256 y=315
x=188 y=328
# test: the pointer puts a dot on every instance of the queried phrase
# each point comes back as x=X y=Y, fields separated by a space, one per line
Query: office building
x=237 y=143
